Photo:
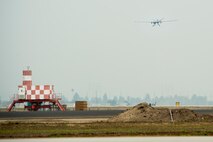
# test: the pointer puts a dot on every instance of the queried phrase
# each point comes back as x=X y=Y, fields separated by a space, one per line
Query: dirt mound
x=184 y=115
x=145 y=113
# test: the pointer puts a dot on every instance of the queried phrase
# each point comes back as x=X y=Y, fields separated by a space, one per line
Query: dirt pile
x=184 y=115
x=145 y=113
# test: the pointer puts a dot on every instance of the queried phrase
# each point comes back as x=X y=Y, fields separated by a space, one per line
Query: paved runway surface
x=60 y=114
x=72 y=114
x=207 y=111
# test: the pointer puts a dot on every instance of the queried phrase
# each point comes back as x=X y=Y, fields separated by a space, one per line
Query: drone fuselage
x=158 y=22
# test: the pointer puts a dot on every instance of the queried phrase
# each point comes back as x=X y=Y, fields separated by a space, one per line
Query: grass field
x=21 y=129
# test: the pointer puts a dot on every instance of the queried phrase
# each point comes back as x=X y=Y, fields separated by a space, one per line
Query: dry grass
x=22 y=129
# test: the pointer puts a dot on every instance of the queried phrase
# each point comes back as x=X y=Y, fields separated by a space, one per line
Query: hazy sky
x=95 y=45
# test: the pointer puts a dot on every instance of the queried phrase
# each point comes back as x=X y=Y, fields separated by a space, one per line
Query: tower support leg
x=59 y=105
x=11 y=106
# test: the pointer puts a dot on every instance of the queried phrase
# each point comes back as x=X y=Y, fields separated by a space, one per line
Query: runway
x=204 y=111
x=72 y=114
x=61 y=114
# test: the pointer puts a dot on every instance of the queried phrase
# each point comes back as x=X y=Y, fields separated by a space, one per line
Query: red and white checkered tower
x=36 y=96
x=27 y=77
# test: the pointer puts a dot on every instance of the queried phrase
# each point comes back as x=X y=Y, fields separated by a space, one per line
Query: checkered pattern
x=40 y=97
x=27 y=77
x=35 y=92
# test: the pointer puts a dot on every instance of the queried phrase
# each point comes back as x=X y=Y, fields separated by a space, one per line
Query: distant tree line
x=105 y=100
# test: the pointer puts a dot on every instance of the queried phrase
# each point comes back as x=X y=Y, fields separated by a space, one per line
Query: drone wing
x=142 y=21
x=168 y=20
